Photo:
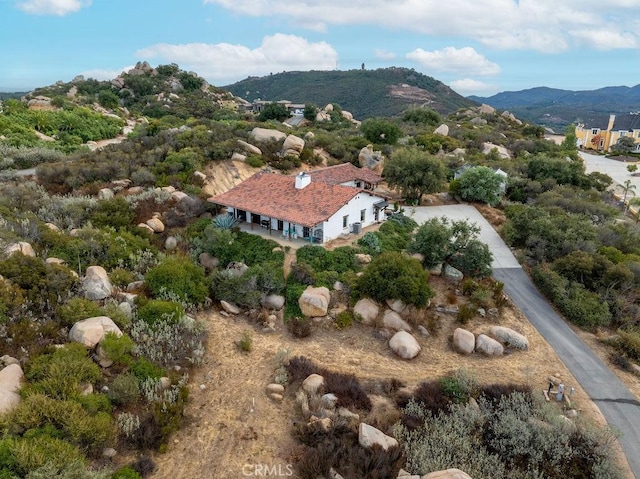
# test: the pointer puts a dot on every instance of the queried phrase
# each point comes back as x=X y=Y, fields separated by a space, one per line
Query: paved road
x=620 y=408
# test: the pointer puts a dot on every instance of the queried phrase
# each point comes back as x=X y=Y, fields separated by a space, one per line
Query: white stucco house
x=318 y=206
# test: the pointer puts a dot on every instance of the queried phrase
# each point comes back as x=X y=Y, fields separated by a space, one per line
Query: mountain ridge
x=556 y=107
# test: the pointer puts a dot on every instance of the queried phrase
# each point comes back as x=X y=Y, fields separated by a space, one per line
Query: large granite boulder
x=314 y=302
x=20 y=247
x=96 y=283
x=262 y=135
x=488 y=346
x=272 y=301
x=464 y=342
x=91 y=331
x=509 y=337
x=292 y=146
x=249 y=148
x=367 y=309
x=369 y=158
x=447 y=474
x=452 y=274
x=404 y=345
x=502 y=151
x=442 y=130
x=11 y=378
x=486 y=109
x=313 y=383
x=368 y=436
x=392 y=320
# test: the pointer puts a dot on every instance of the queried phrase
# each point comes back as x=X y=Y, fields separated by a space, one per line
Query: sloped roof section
x=343 y=173
x=276 y=196
x=626 y=122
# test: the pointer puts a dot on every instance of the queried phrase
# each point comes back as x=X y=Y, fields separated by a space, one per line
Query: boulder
x=447 y=474
x=126 y=309
x=91 y=331
x=464 y=341
x=487 y=109
x=10 y=382
x=96 y=284
x=314 y=302
x=367 y=310
x=156 y=225
x=452 y=274
x=105 y=194
x=369 y=436
x=396 y=305
x=275 y=388
x=41 y=103
x=323 y=116
x=488 y=346
x=235 y=269
x=54 y=261
x=249 y=148
x=509 y=337
x=179 y=195
x=347 y=115
x=404 y=345
x=200 y=176
x=293 y=145
x=373 y=160
x=363 y=258
x=502 y=151
x=20 y=247
x=52 y=227
x=146 y=227
x=442 y=130
x=170 y=243
x=436 y=270
x=272 y=301
x=392 y=320
x=309 y=135
x=267 y=134
x=238 y=156
x=229 y=308
x=313 y=383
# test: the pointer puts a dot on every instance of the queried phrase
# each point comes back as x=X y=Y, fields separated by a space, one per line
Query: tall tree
x=415 y=173
x=481 y=184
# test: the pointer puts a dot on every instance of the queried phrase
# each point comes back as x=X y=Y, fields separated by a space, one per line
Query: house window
x=358 y=184
x=594 y=131
x=345 y=221
x=362 y=215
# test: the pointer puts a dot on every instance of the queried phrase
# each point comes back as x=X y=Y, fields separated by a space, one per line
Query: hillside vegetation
x=136 y=215
x=365 y=93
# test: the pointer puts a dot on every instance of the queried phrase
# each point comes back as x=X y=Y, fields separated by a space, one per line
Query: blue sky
x=475 y=46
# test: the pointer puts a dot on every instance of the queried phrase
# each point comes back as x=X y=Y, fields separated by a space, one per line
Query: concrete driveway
x=620 y=408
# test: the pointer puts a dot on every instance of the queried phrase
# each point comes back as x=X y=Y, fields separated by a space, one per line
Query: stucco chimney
x=302 y=180
x=612 y=120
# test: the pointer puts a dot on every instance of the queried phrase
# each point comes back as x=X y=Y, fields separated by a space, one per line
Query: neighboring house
x=601 y=133
x=292 y=108
x=316 y=206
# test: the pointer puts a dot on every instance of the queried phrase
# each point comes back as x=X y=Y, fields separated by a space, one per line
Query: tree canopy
x=480 y=183
x=440 y=240
x=379 y=130
x=415 y=173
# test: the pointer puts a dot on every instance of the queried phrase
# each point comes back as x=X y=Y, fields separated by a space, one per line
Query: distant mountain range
x=365 y=93
x=557 y=108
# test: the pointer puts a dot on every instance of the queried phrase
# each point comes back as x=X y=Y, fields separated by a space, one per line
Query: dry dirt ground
x=232 y=425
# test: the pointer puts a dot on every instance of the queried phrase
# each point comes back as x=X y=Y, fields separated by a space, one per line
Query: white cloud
x=384 y=54
x=606 y=40
x=52 y=7
x=468 y=86
x=465 y=61
x=542 y=25
x=222 y=62
x=102 y=75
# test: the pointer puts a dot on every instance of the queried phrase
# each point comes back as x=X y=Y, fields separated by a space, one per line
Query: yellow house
x=600 y=133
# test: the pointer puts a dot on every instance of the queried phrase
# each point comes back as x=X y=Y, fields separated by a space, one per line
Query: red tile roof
x=343 y=173
x=276 y=196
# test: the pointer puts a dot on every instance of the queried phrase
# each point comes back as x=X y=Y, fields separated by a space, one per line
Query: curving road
x=620 y=408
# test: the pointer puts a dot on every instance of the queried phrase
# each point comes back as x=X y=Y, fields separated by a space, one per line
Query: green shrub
x=33 y=453
x=117 y=348
x=254 y=161
x=59 y=373
x=124 y=389
x=395 y=276
x=344 y=319
x=246 y=342
x=116 y=314
x=466 y=312
x=11 y=298
x=143 y=369
x=77 y=309
x=629 y=342
x=125 y=473
x=320 y=259
x=121 y=277
x=114 y=213
x=156 y=311
x=94 y=403
x=299 y=327
x=178 y=276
